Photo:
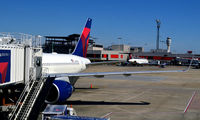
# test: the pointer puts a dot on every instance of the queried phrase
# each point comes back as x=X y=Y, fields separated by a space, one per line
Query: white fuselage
x=63 y=63
x=139 y=61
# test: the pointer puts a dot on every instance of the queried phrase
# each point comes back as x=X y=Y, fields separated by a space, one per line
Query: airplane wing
x=102 y=74
x=104 y=62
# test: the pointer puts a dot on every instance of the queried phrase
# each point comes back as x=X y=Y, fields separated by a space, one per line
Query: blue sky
x=132 y=20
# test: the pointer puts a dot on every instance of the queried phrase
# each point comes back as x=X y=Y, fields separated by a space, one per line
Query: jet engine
x=60 y=91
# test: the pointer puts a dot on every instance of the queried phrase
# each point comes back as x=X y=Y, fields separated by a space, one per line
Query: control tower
x=168 y=42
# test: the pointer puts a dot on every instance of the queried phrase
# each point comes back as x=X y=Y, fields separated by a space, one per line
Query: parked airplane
x=66 y=68
x=139 y=61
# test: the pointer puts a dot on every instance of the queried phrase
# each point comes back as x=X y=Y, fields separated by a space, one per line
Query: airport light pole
x=158 y=28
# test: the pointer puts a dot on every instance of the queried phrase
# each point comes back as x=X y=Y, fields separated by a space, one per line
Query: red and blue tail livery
x=82 y=45
x=4 y=66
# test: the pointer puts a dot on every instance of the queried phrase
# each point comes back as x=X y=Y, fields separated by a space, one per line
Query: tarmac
x=157 y=96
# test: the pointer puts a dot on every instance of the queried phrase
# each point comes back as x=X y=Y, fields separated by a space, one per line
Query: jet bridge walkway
x=21 y=58
x=31 y=100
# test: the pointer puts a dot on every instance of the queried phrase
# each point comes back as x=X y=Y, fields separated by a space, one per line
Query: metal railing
x=20 y=38
x=25 y=114
x=18 y=103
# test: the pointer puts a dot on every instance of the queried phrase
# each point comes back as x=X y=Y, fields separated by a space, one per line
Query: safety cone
x=91 y=85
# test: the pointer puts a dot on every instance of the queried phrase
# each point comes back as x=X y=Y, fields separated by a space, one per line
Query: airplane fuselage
x=63 y=63
x=139 y=61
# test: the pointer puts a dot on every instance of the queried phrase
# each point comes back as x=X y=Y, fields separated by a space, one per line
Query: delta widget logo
x=3 y=71
x=5 y=66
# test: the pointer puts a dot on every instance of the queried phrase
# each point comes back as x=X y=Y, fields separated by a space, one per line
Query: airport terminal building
x=120 y=52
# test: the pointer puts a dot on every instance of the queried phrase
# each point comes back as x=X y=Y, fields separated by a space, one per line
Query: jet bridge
x=22 y=86
x=17 y=54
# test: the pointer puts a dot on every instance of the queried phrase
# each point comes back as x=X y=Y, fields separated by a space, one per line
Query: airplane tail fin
x=82 y=45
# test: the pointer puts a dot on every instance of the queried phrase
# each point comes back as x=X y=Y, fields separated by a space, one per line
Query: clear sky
x=131 y=20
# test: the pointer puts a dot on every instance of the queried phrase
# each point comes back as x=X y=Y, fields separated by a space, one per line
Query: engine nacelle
x=60 y=91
